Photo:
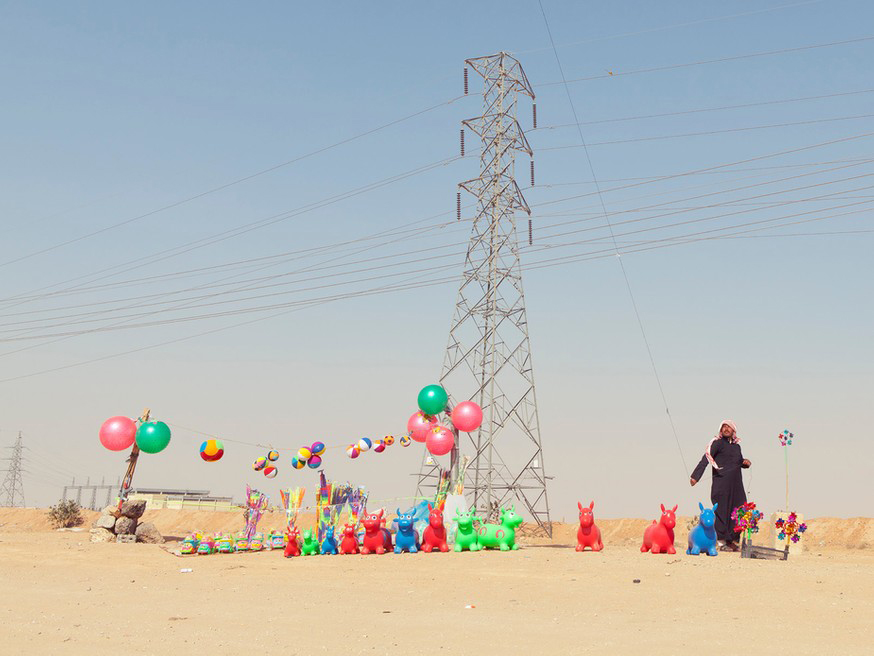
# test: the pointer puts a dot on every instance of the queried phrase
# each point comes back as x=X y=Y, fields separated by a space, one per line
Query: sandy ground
x=63 y=595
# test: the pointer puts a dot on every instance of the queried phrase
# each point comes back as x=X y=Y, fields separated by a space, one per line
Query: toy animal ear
x=674 y=509
x=714 y=506
x=591 y=505
x=701 y=506
x=579 y=505
x=457 y=511
x=430 y=508
x=662 y=507
x=379 y=514
x=398 y=512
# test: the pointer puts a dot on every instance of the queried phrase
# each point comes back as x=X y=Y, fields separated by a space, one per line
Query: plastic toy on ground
x=276 y=540
x=241 y=543
x=329 y=544
x=406 y=539
x=377 y=539
x=292 y=545
x=190 y=544
x=256 y=542
x=225 y=544
x=349 y=543
x=659 y=536
x=588 y=535
x=206 y=546
x=434 y=535
x=310 y=546
x=501 y=536
x=703 y=536
x=466 y=537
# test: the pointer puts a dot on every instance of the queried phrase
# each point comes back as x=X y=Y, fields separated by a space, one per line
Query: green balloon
x=432 y=399
x=153 y=436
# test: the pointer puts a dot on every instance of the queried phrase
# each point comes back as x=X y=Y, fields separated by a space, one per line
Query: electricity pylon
x=488 y=357
x=12 y=491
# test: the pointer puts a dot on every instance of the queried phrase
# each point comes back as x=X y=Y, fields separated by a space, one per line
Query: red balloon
x=467 y=416
x=440 y=441
x=419 y=425
x=118 y=433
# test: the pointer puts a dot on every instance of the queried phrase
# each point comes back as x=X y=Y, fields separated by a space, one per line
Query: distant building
x=157 y=498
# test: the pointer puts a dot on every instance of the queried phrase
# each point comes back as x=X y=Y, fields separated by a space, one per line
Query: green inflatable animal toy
x=503 y=536
x=310 y=546
x=466 y=537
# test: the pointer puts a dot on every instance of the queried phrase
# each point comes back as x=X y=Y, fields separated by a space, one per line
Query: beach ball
x=378 y=446
x=432 y=399
x=297 y=464
x=304 y=453
x=259 y=464
x=364 y=444
x=270 y=471
x=314 y=462
x=118 y=433
x=389 y=440
x=405 y=440
x=153 y=436
x=212 y=450
x=317 y=449
x=273 y=456
x=353 y=451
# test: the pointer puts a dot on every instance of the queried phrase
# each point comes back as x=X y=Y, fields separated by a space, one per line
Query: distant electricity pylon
x=488 y=357
x=12 y=491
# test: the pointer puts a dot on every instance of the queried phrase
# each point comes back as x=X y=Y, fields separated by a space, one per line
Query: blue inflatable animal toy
x=703 y=536
x=406 y=539
x=329 y=544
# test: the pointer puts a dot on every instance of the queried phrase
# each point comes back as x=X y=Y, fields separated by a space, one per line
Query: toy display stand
x=749 y=550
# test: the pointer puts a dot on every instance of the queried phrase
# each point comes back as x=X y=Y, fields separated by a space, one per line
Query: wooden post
x=131 y=465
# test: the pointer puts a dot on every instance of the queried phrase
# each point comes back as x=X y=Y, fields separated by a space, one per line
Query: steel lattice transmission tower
x=488 y=357
x=12 y=491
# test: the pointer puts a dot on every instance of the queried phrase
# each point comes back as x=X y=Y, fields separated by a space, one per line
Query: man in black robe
x=726 y=461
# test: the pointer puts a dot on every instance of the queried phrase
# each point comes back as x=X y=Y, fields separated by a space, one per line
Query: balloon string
x=252 y=444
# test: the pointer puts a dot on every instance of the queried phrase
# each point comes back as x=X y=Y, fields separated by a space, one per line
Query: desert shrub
x=65 y=514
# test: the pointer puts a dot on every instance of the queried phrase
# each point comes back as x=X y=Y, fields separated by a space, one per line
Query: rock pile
x=114 y=522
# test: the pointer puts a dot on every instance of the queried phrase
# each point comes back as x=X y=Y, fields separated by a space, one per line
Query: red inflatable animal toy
x=376 y=538
x=588 y=534
x=292 y=547
x=659 y=536
x=434 y=536
x=349 y=543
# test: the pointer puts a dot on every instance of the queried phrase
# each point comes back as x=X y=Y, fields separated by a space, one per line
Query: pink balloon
x=419 y=425
x=467 y=416
x=118 y=433
x=440 y=440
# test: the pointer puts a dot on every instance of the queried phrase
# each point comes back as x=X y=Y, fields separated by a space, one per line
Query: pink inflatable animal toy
x=376 y=538
x=588 y=534
x=349 y=543
x=434 y=535
x=659 y=536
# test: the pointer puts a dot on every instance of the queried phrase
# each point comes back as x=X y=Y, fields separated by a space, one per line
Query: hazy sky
x=113 y=114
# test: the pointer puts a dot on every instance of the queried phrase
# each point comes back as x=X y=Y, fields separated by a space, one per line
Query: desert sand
x=65 y=595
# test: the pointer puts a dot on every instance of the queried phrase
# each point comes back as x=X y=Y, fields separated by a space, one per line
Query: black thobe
x=728 y=487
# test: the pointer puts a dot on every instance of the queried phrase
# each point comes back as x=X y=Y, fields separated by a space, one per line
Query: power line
x=616 y=246
x=712 y=132
x=229 y=184
x=707 y=109
x=703 y=62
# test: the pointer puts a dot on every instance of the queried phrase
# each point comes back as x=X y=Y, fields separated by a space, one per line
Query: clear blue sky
x=113 y=111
